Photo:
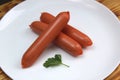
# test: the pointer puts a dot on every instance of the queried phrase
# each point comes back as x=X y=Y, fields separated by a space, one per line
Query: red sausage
x=80 y=37
x=39 y=45
x=62 y=40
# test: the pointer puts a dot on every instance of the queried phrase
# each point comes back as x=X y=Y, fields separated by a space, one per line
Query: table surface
x=6 y=5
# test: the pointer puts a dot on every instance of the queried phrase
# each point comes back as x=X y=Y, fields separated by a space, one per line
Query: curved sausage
x=39 y=45
x=80 y=37
x=62 y=40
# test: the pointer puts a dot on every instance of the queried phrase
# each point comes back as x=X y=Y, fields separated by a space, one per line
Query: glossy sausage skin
x=80 y=37
x=47 y=36
x=62 y=40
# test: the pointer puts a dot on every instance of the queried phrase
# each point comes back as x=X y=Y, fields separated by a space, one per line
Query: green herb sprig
x=54 y=61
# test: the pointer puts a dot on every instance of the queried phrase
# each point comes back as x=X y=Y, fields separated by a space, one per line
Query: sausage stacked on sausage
x=56 y=30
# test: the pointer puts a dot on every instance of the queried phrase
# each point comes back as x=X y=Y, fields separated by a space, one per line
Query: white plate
x=92 y=18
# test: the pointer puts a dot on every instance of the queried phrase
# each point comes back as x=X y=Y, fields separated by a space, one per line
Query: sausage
x=47 y=36
x=62 y=40
x=77 y=35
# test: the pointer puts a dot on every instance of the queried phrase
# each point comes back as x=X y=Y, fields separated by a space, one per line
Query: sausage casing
x=46 y=37
x=77 y=35
x=62 y=40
